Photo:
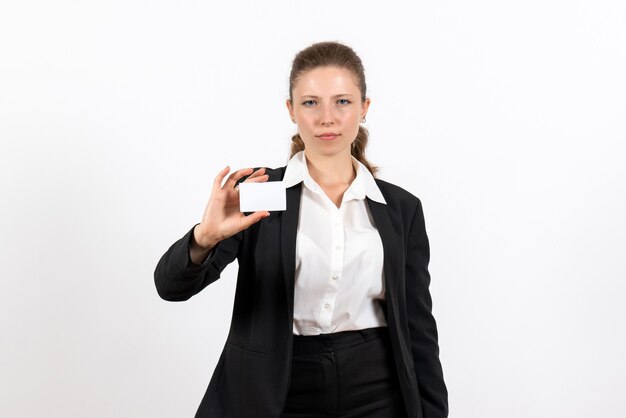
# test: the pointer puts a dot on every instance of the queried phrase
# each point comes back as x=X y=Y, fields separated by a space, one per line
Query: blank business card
x=269 y=195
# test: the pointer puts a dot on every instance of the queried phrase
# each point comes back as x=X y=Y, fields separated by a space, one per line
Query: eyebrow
x=316 y=97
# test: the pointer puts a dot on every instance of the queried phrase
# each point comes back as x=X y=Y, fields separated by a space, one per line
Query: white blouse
x=339 y=255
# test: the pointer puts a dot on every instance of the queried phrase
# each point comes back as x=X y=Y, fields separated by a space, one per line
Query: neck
x=331 y=169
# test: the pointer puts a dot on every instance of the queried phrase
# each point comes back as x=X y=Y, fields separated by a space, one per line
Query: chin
x=330 y=149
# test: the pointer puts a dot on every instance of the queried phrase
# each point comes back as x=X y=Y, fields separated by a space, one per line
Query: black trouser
x=346 y=374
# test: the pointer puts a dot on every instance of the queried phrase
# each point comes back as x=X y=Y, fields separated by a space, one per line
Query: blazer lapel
x=288 y=232
x=391 y=247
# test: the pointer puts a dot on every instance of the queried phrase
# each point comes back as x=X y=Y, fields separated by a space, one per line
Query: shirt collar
x=363 y=185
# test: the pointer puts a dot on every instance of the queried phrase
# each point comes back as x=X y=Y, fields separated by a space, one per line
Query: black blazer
x=253 y=371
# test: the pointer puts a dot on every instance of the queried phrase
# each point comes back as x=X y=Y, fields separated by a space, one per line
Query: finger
x=220 y=177
x=259 y=172
x=234 y=177
x=259 y=179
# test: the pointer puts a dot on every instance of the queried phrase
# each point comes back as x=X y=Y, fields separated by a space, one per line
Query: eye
x=345 y=100
x=307 y=101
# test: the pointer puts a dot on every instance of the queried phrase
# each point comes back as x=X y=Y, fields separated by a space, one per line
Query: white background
x=505 y=118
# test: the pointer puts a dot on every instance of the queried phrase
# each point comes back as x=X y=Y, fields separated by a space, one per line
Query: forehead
x=331 y=80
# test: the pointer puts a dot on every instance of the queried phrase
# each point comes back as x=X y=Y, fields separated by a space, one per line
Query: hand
x=222 y=217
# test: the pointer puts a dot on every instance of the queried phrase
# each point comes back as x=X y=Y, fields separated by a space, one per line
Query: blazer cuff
x=208 y=258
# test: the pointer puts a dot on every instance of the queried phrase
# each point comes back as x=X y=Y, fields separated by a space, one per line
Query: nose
x=327 y=116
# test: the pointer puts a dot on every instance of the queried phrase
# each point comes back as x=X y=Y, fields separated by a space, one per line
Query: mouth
x=328 y=137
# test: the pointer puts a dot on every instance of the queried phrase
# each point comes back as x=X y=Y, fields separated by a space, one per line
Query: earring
x=363 y=119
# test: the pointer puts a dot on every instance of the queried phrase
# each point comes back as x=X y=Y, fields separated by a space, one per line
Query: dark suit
x=252 y=375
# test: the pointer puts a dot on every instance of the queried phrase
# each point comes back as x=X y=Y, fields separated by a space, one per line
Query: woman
x=332 y=312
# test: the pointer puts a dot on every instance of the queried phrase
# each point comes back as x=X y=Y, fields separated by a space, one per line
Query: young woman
x=332 y=312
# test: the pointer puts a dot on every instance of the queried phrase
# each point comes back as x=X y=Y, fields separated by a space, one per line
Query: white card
x=269 y=195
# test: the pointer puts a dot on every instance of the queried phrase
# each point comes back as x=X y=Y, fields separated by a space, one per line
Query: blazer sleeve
x=177 y=278
x=422 y=325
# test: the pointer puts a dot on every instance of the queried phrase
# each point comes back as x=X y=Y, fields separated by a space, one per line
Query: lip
x=328 y=135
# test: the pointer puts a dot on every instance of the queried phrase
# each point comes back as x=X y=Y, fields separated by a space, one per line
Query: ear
x=365 y=106
x=290 y=109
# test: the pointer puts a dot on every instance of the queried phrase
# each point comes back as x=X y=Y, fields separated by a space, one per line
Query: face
x=327 y=100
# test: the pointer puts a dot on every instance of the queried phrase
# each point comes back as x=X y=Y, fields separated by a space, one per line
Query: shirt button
x=335 y=276
x=327 y=305
x=338 y=247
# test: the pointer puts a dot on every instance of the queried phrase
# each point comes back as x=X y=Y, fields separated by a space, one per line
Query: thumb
x=254 y=218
